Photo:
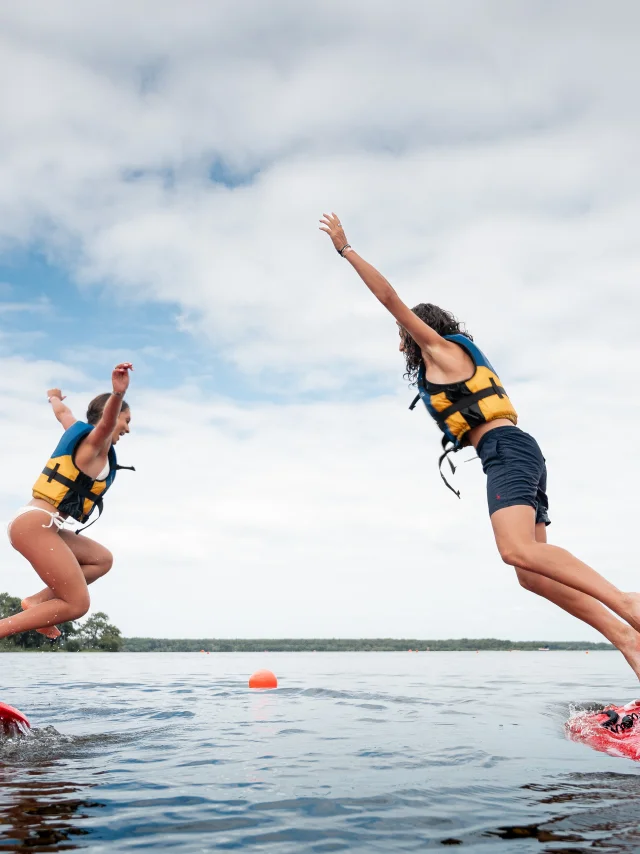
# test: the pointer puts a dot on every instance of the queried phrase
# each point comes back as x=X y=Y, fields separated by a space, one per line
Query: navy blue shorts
x=516 y=471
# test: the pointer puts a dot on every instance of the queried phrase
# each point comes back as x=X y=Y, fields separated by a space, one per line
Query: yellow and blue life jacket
x=459 y=407
x=63 y=484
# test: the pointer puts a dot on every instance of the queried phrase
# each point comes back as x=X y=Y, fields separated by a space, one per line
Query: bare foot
x=630 y=648
x=632 y=608
x=53 y=632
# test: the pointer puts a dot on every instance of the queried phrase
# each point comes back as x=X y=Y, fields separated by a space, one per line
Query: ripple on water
x=379 y=756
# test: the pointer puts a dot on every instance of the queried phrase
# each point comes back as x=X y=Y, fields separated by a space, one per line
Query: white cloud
x=483 y=155
x=38 y=306
x=497 y=155
x=316 y=520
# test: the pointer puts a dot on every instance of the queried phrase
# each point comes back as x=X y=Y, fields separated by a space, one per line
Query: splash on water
x=14 y=729
x=610 y=729
x=18 y=743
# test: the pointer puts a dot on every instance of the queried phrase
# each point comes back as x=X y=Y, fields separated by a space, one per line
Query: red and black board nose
x=11 y=717
x=612 y=717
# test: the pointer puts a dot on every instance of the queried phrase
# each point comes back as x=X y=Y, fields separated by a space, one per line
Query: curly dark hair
x=97 y=405
x=443 y=322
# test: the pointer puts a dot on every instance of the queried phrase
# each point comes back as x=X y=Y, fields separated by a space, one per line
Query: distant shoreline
x=331 y=645
x=353 y=645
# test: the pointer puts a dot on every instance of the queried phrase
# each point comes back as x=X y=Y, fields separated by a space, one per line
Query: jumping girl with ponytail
x=71 y=486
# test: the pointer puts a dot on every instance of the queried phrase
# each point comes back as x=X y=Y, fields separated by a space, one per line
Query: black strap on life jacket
x=98 y=501
x=80 y=489
x=459 y=406
x=469 y=400
x=446 y=451
x=445 y=456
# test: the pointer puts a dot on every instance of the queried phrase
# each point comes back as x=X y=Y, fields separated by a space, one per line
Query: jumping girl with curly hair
x=464 y=395
x=70 y=487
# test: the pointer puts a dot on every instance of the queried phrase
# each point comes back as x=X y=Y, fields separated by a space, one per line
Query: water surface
x=367 y=752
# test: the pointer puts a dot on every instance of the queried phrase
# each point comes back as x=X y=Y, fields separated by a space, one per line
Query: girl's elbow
x=387 y=298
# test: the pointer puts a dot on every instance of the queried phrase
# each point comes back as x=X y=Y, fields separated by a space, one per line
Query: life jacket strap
x=469 y=400
x=84 y=527
x=459 y=406
x=441 y=460
x=98 y=501
x=79 y=488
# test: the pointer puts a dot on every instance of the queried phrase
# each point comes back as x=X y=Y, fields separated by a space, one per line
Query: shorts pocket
x=490 y=453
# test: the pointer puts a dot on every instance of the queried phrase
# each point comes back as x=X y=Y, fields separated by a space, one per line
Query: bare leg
x=514 y=530
x=95 y=561
x=58 y=568
x=585 y=608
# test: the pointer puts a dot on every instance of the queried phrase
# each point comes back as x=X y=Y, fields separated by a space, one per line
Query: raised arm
x=62 y=412
x=424 y=336
x=100 y=436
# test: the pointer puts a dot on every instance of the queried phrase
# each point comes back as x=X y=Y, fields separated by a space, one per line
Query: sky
x=164 y=167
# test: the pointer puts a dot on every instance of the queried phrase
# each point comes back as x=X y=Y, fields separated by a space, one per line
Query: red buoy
x=263 y=679
x=12 y=720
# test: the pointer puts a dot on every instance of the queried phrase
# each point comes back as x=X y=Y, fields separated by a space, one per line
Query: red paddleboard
x=12 y=720
x=614 y=730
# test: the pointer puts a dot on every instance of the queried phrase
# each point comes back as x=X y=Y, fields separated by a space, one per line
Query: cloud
x=310 y=520
x=39 y=306
x=483 y=155
x=458 y=163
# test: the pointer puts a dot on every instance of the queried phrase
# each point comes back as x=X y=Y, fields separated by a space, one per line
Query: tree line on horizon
x=97 y=634
x=348 y=645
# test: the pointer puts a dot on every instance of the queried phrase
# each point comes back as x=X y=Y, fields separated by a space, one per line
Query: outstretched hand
x=56 y=392
x=332 y=226
x=120 y=377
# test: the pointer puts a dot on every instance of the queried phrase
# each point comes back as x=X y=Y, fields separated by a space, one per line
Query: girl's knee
x=99 y=565
x=77 y=614
x=514 y=554
x=105 y=562
x=79 y=606
x=510 y=555
x=527 y=580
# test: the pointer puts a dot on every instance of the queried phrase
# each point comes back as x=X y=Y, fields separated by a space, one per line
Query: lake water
x=358 y=752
